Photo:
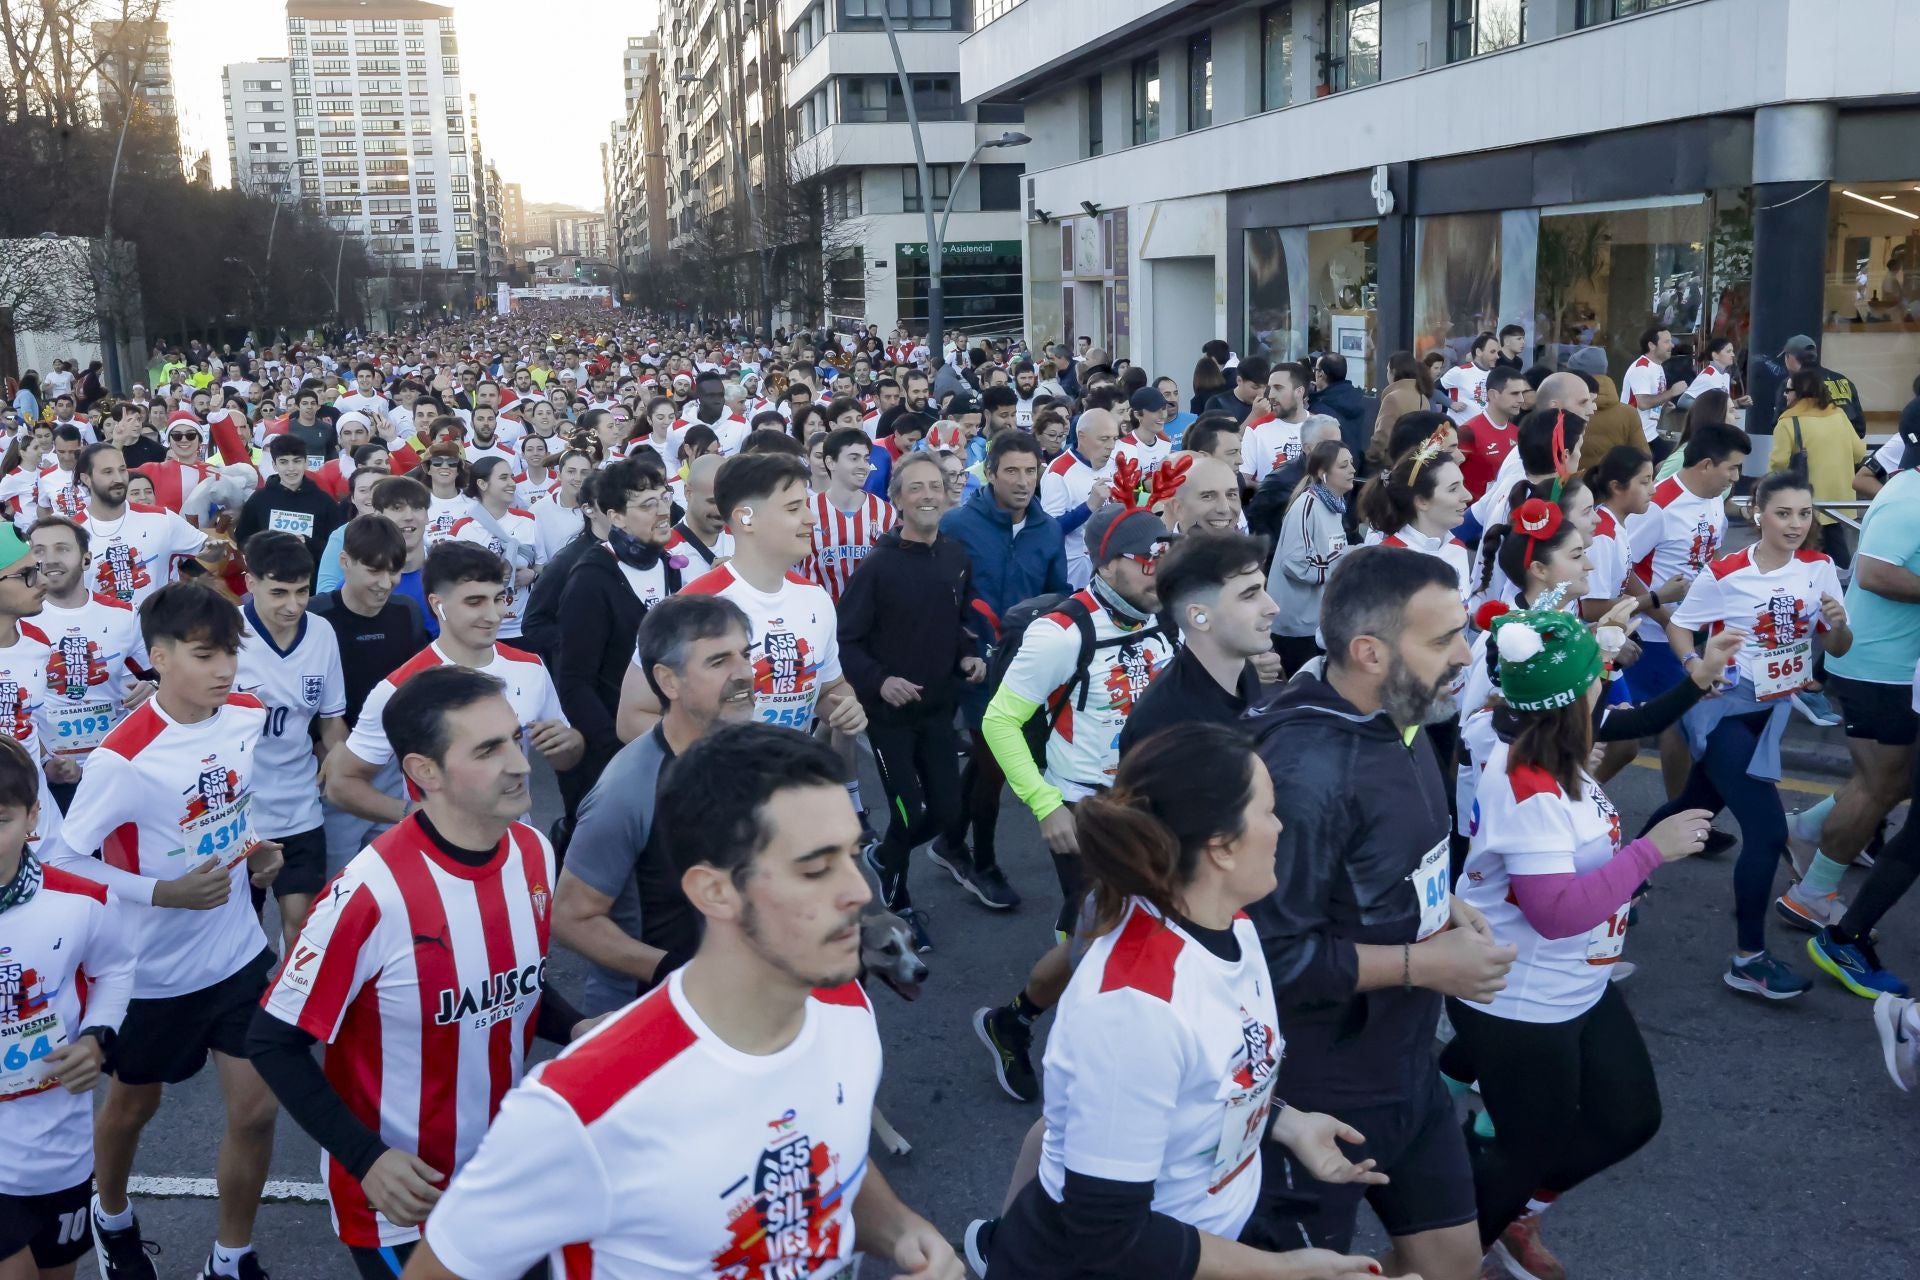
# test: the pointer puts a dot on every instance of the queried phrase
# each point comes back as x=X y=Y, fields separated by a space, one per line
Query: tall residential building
x=1368 y=176
x=851 y=140
x=513 y=214
x=379 y=103
x=135 y=60
x=637 y=225
x=495 y=222
x=260 y=139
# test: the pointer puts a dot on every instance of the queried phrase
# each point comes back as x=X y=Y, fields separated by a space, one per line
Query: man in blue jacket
x=1018 y=552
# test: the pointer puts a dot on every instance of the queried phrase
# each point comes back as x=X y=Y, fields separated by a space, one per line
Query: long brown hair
x=1558 y=742
x=1176 y=793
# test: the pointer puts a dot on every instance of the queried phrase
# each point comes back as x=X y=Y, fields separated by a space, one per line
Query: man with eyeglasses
x=25 y=654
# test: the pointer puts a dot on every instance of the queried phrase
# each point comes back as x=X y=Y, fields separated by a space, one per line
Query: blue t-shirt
x=409 y=585
x=1886 y=633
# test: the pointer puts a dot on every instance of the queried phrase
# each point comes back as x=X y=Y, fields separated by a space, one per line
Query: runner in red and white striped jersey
x=847 y=520
x=423 y=969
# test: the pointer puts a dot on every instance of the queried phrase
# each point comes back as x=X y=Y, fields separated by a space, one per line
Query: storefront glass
x=1456 y=291
x=1872 y=302
x=980 y=284
x=1342 y=293
x=1276 y=258
x=1606 y=272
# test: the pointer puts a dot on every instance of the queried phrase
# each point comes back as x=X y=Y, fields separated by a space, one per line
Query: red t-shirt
x=1486 y=447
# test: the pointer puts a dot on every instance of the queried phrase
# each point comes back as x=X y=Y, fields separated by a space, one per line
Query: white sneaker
x=1898 y=1046
x=1621 y=970
x=1809 y=911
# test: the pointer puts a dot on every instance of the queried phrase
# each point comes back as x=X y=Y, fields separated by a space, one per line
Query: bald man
x=1566 y=390
x=702 y=534
x=1074 y=486
x=1208 y=500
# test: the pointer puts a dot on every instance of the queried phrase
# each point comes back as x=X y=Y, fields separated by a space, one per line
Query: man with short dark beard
x=1357 y=934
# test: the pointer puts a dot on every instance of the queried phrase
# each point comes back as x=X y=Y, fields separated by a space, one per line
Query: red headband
x=1539 y=521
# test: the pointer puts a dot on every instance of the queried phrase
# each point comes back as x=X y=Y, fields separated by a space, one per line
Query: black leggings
x=1894 y=871
x=981 y=783
x=917 y=755
x=1567 y=1099
x=1719 y=780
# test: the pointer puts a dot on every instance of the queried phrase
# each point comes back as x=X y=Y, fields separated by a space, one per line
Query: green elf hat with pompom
x=1542 y=658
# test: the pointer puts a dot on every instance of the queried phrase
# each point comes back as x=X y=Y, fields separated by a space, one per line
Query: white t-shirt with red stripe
x=796 y=642
x=423 y=976
x=93 y=653
x=1779 y=611
x=1609 y=557
x=23 y=712
x=1466 y=388
x=651 y=1149
x=1445 y=547
x=1644 y=380
x=1199 y=1040
x=1268 y=446
x=67 y=965
x=518 y=525
x=842 y=539
x=60 y=492
x=1679 y=532
x=730 y=430
x=140 y=552
x=1524 y=824
x=158 y=799
x=1148 y=456
x=529 y=691
x=1065 y=485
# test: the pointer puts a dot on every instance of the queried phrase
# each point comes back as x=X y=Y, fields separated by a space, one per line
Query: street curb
x=1821 y=753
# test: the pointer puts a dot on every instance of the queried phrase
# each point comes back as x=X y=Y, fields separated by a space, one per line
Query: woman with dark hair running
x=1152 y=1170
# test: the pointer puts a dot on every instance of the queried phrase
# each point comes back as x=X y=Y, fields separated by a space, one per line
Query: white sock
x=113 y=1221
x=226 y=1260
x=1535 y=1205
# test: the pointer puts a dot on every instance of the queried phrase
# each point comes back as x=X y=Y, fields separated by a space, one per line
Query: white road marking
x=207 y=1189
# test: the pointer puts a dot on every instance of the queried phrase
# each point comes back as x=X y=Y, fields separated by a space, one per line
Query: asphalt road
x=1786 y=1151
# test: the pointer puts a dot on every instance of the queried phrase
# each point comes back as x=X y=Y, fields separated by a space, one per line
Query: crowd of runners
x=1312 y=702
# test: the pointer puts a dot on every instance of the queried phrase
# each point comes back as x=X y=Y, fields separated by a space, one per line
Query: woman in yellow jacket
x=1812 y=425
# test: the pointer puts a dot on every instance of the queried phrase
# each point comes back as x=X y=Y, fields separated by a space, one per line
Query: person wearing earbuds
x=796 y=646
x=466 y=589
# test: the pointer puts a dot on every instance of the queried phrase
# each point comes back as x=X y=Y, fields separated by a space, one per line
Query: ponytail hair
x=1616 y=470
x=1514 y=551
x=1387 y=501
x=1176 y=793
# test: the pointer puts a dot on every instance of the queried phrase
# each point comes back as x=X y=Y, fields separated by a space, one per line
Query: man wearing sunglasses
x=25 y=654
x=1086 y=665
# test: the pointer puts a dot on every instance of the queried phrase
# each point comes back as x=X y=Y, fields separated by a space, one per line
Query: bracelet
x=1691 y=657
x=1406 y=965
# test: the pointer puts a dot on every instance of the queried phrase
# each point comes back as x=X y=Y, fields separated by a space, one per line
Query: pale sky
x=547 y=73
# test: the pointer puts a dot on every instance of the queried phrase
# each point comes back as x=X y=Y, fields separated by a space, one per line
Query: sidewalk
x=1808 y=750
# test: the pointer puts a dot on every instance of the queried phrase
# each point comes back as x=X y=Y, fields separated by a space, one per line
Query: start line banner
x=509 y=297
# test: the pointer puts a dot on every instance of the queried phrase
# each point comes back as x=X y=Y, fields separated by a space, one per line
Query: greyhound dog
x=886 y=953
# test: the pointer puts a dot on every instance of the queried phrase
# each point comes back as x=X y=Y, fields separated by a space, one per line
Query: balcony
x=865 y=54
x=864 y=145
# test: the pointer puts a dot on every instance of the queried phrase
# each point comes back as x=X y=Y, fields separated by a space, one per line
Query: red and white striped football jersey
x=842 y=539
x=423 y=976
x=651 y=1149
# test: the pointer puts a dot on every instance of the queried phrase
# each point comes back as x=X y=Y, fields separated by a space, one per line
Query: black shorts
x=305 y=867
x=54 y=1225
x=165 y=1040
x=1880 y=713
x=1418 y=1143
x=384 y=1263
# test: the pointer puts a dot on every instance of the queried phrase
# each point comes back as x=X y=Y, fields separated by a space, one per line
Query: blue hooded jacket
x=1007 y=568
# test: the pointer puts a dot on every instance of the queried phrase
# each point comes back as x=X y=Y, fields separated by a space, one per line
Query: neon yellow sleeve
x=1001 y=726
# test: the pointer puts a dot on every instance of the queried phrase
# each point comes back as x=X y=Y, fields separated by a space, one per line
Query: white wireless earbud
x=439 y=612
x=1200 y=619
x=746 y=517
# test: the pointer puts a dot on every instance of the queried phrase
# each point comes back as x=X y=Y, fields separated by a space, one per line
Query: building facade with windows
x=134 y=62
x=849 y=134
x=384 y=135
x=635 y=164
x=1366 y=176
x=260 y=157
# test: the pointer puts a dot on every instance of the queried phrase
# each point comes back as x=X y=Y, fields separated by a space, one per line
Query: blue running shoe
x=1765 y=976
x=1854 y=965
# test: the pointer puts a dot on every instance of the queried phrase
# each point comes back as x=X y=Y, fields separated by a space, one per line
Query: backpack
x=1013 y=630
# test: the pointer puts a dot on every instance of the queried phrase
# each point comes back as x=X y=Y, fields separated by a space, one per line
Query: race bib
x=80 y=729
x=299 y=523
x=24 y=1048
x=1432 y=886
x=1607 y=939
x=225 y=833
x=1779 y=672
x=316 y=461
x=1243 y=1122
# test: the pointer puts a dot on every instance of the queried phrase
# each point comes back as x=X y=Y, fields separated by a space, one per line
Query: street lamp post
x=936 y=233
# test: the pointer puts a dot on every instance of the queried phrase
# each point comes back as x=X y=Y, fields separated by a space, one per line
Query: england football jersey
x=651 y=1149
x=422 y=976
x=158 y=799
x=842 y=539
x=518 y=525
x=23 y=712
x=67 y=965
x=138 y=553
x=295 y=685
x=1199 y=1038
x=1779 y=611
x=1525 y=824
x=1679 y=532
x=95 y=655
x=796 y=642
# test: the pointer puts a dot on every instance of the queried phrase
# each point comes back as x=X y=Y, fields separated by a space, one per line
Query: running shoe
x=955 y=860
x=1854 y=965
x=248 y=1266
x=1900 y=1048
x=1011 y=1040
x=1621 y=970
x=1808 y=911
x=1765 y=976
x=1524 y=1255
x=1718 y=842
x=989 y=884
x=1813 y=704
x=978 y=1245
x=122 y=1254
x=917 y=921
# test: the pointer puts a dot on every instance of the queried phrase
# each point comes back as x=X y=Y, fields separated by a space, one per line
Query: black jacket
x=595 y=646
x=904 y=613
x=1343 y=401
x=309 y=507
x=1227 y=402
x=1360 y=806
x=537 y=627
